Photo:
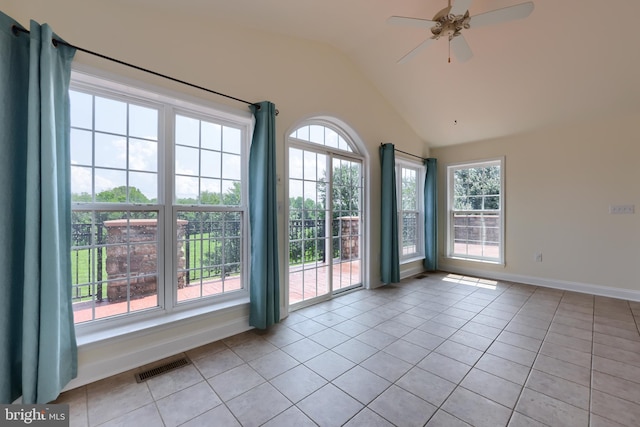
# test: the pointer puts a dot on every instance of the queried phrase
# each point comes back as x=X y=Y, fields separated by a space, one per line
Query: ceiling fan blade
x=505 y=14
x=411 y=22
x=416 y=50
x=460 y=7
x=461 y=48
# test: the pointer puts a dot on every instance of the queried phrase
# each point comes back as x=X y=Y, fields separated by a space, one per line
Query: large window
x=410 y=182
x=158 y=203
x=476 y=213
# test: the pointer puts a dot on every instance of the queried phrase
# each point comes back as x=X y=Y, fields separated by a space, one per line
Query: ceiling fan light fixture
x=451 y=20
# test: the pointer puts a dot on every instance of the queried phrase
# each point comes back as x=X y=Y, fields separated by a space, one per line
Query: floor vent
x=159 y=370
x=421 y=276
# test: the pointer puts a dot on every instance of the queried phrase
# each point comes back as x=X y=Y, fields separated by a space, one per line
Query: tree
x=307 y=209
x=477 y=188
x=345 y=190
x=119 y=195
x=409 y=191
x=83 y=197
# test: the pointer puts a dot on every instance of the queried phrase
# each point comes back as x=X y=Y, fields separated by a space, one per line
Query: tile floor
x=444 y=350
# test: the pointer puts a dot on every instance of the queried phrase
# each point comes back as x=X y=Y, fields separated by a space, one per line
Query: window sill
x=412 y=259
x=154 y=321
x=482 y=261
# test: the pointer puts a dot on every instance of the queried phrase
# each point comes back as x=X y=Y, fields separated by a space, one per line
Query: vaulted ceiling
x=570 y=60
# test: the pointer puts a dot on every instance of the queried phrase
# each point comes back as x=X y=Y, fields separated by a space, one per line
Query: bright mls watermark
x=53 y=415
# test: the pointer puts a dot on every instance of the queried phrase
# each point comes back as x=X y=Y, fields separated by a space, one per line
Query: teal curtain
x=264 y=279
x=389 y=243
x=38 y=354
x=431 y=215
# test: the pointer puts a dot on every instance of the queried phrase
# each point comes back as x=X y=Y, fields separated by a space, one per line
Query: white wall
x=559 y=185
x=302 y=78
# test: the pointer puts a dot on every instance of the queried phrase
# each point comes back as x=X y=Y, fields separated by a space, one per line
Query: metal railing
x=214 y=262
x=83 y=238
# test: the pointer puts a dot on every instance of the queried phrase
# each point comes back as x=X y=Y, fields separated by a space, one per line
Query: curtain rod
x=404 y=152
x=15 y=29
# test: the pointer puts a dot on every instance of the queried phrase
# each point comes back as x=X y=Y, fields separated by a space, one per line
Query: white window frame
x=402 y=163
x=169 y=103
x=355 y=152
x=451 y=212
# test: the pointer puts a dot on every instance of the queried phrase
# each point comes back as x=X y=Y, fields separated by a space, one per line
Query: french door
x=325 y=224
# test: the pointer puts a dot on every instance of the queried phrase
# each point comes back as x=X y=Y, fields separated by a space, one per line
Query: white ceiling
x=569 y=60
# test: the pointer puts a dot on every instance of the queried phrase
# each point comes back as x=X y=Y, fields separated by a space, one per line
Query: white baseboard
x=112 y=360
x=411 y=271
x=586 y=288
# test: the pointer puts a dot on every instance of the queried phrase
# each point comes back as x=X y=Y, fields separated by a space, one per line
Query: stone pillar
x=132 y=258
x=350 y=238
x=182 y=260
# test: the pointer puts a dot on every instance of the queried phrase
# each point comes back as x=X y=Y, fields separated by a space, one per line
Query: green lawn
x=82 y=269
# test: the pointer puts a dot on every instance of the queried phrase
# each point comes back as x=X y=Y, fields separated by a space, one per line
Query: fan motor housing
x=449 y=25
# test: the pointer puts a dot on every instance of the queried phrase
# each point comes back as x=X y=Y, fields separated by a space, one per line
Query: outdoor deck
x=344 y=275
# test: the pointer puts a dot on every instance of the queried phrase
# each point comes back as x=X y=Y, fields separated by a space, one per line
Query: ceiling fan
x=454 y=18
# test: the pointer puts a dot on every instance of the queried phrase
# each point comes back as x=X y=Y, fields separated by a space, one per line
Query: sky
x=127 y=145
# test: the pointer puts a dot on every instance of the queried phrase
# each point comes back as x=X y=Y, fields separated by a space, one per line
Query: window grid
x=475 y=206
x=123 y=263
x=410 y=214
x=217 y=176
x=325 y=214
x=319 y=134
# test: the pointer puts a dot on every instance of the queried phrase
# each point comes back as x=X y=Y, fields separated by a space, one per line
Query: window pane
x=409 y=189
x=342 y=144
x=81 y=147
x=211 y=136
x=210 y=191
x=295 y=163
x=143 y=122
x=187 y=131
x=303 y=133
x=81 y=109
x=310 y=167
x=114 y=263
x=111 y=186
x=231 y=193
x=321 y=163
x=111 y=116
x=492 y=202
x=231 y=142
x=219 y=165
x=111 y=151
x=210 y=165
x=409 y=233
x=231 y=166
x=81 y=189
x=143 y=155
x=187 y=190
x=316 y=134
x=143 y=187
x=330 y=138
x=187 y=160
x=310 y=195
x=209 y=253
x=295 y=194
x=462 y=203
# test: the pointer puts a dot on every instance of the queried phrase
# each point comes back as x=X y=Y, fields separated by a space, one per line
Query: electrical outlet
x=538 y=256
x=622 y=209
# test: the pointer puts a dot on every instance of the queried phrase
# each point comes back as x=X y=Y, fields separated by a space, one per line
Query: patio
x=344 y=275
